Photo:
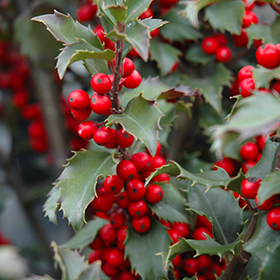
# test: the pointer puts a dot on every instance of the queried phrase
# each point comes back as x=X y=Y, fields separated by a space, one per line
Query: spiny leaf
x=78 y=180
x=153 y=23
x=145 y=262
x=86 y=235
x=136 y=8
x=221 y=19
x=117 y=12
x=171 y=207
x=143 y=126
x=52 y=204
x=259 y=32
x=262 y=76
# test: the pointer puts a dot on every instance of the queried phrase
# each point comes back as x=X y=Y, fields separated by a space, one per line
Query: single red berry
x=115 y=257
x=87 y=129
x=247 y=165
x=221 y=38
x=190 y=266
x=36 y=129
x=137 y=209
x=223 y=54
x=164 y=177
x=117 y=219
x=97 y=243
x=127 y=275
x=81 y=115
x=86 y=12
x=214 y=272
x=154 y=193
x=154 y=33
x=245 y=72
x=100 y=104
x=250 y=186
x=182 y=228
x=94 y=256
x=128 y=67
x=124 y=139
x=78 y=99
x=113 y=184
x=246 y=86
x=202 y=221
x=109 y=270
x=249 y=151
x=266 y=205
x=273 y=218
x=109 y=44
x=103 y=136
x=210 y=45
x=99 y=31
x=242 y=39
x=142 y=224
x=135 y=190
x=268 y=56
x=174 y=235
x=141 y=161
x=101 y=83
x=20 y=98
x=200 y=233
x=147 y=14
x=108 y=233
x=122 y=232
x=31 y=111
x=204 y=263
x=228 y=165
x=103 y=202
x=156 y=162
x=122 y=199
x=126 y=170
x=133 y=81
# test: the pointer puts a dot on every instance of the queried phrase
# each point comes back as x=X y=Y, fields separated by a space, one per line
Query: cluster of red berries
x=86 y=11
x=216 y=45
x=249 y=190
x=204 y=267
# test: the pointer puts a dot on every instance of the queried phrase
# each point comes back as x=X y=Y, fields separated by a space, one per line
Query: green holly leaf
x=263 y=238
x=86 y=235
x=226 y=224
x=81 y=50
x=275 y=31
x=252 y=269
x=142 y=126
x=270 y=268
x=261 y=112
x=221 y=19
x=259 y=32
x=201 y=247
x=153 y=23
x=165 y=56
x=211 y=86
x=262 y=76
x=116 y=12
x=78 y=180
x=73 y=265
x=135 y=8
x=52 y=204
x=184 y=30
x=172 y=206
x=197 y=55
x=146 y=262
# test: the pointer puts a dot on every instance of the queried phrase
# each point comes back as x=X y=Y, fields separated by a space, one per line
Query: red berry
x=154 y=33
x=202 y=221
x=99 y=31
x=122 y=199
x=113 y=184
x=200 y=233
x=142 y=224
x=221 y=38
x=135 y=190
x=137 y=209
x=86 y=11
x=273 y=218
x=97 y=243
x=141 y=161
x=31 y=111
x=268 y=56
x=249 y=151
x=204 y=263
x=101 y=83
x=249 y=18
x=20 y=98
x=36 y=129
x=147 y=14
x=156 y=162
x=247 y=165
x=223 y=54
x=182 y=228
x=190 y=266
x=164 y=177
x=115 y=257
x=127 y=275
x=126 y=170
x=228 y=165
x=108 y=233
x=276 y=198
x=250 y=186
x=124 y=139
x=245 y=72
x=241 y=40
x=122 y=234
x=103 y=202
x=112 y=144
x=103 y=136
x=154 y=193
x=87 y=129
x=117 y=219
x=246 y=86
x=133 y=81
x=266 y=205
x=210 y=45
x=81 y=115
x=109 y=270
x=100 y=104
x=78 y=99
x=94 y=256
x=128 y=67
x=174 y=235
x=214 y=272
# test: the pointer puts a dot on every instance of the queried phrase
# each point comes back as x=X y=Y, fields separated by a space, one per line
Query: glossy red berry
x=97 y=243
x=249 y=151
x=99 y=31
x=127 y=275
x=228 y=165
x=100 y=104
x=101 y=83
x=202 y=221
x=109 y=270
x=204 y=263
x=242 y=39
x=113 y=184
x=108 y=233
x=142 y=224
x=128 y=67
x=115 y=257
x=247 y=165
x=154 y=193
x=117 y=219
x=183 y=229
x=124 y=139
x=141 y=161
x=210 y=45
x=133 y=81
x=122 y=232
x=273 y=218
x=174 y=235
x=126 y=170
x=266 y=205
x=223 y=54
x=112 y=144
x=190 y=266
x=246 y=86
x=135 y=190
x=103 y=202
x=87 y=129
x=94 y=256
x=245 y=72
x=122 y=199
x=137 y=209
x=147 y=14
x=200 y=233
x=103 y=136
x=249 y=18
x=268 y=56
x=221 y=38
x=81 y=115
x=78 y=99
x=250 y=186
x=86 y=11
x=156 y=162
x=214 y=272
x=164 y=177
